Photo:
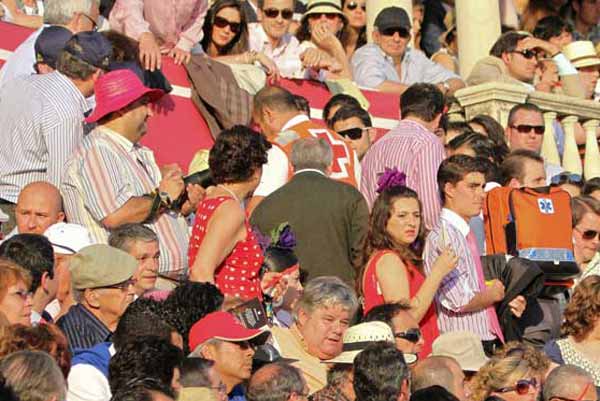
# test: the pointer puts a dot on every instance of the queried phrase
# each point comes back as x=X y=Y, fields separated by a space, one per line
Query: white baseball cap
x=68 y=238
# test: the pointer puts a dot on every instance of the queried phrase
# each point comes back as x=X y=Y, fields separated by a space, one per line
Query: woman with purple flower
x=392 y=265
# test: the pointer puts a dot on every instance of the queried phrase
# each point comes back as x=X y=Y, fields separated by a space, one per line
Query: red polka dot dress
x=238 y=274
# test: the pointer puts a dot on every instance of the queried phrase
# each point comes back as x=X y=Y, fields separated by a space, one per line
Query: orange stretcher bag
x=535 y=224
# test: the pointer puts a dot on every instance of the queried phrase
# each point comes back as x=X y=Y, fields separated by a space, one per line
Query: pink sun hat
x=118 y=89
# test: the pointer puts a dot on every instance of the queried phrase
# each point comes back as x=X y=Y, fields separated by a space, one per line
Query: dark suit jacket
x=329 y=218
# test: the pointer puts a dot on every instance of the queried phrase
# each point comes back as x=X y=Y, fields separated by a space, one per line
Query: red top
x=374 y=297
x=238 y=274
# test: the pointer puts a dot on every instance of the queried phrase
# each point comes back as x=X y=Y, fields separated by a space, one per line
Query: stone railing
x=496 y=99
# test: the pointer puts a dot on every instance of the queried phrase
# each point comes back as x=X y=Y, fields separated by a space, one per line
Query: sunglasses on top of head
x=353 y=133
x=221 y=22
x=274 y=13
x=522 y=387
x=403 y=32
x=353 y=6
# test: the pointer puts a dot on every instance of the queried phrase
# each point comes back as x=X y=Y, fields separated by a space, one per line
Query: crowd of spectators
x=305 y=259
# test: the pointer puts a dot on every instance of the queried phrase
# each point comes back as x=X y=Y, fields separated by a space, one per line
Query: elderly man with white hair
x=321 y=318
x=569 y=382
x=75 y=15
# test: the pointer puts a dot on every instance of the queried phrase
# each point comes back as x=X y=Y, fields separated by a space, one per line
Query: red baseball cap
x=222 y=326
x=118 y=89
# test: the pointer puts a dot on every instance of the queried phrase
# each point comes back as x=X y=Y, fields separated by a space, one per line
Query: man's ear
x=302 y=317
x=376 y=36
x=506 y=57
x=60 y=217
x=514 y=183
x=372 y=132
x=449 y=190
x=208 y=352
x=259 y=15
x=91 y=298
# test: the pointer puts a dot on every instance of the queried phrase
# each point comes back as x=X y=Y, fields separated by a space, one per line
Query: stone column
x=591 y=160
x=571 y=161
x=478 y=27
x=549 y=148
x=375 y=6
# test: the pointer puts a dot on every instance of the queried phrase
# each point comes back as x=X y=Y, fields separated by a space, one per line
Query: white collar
x=120 y=139
x=312 y=170
x=456 y=221
x=300 y=118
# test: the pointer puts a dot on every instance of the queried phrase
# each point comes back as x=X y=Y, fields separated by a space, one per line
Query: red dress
x=238 y=273
x=373 y=297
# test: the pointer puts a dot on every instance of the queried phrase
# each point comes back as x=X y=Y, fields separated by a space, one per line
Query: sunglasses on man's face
x=330 y=16
x=221 y=22
x=589 y=235
x=522 y=387
x=526 y=129
x=286 y=14
x=528 y=54
x=353 y=133
x=410 y=335
x=402 y=32
x=353 y=5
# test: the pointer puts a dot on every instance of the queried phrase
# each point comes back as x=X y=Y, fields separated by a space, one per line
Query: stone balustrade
x=496 y=99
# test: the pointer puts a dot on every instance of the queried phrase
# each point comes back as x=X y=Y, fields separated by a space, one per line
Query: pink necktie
x=491 y=311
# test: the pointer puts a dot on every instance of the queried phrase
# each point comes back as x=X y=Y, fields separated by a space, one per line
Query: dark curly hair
x=144 y=357
x=237 y=154
x=188 y=303
x=239 y=43
x=583 y=312
x=141 y=318
x=379 y=372
x=142 y=390
x=379 y=239
x=33 y=252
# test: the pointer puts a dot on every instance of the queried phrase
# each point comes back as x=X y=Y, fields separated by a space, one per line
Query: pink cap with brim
x=118 y=89
x=222 y=326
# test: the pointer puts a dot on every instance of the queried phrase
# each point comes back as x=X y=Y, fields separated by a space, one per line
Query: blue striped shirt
x=82 y=328
x=41 y=120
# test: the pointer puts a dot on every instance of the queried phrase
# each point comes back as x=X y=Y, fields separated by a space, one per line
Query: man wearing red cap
x=111 y=180
x=221 y=338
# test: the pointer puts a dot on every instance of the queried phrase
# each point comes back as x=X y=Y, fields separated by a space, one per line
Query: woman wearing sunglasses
x=392 y=262
x=513 y=374
x=226 y=37
x=581 y=328
x=354 y=34
x=15 y=298
x=586 y=234
x=319 y=35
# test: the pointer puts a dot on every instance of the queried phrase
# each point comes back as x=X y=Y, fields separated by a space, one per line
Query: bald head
x=276 y=382
x=569 y=381
x=439 y=371
x=273 y=108
x=38 y=207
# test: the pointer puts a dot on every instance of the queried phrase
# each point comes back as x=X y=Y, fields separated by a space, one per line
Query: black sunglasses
x=410 y=335
x=522 y=386
x=274 y=13
x=528 y=54
x=526 y=128
x=353 y=133
x=589 y=234
x=222 y=23
x=330 y=16
x=352 y=6
x=403 y=32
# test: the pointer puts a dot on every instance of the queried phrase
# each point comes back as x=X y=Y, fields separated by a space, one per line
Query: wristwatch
x=446 y=86
x=165 y=199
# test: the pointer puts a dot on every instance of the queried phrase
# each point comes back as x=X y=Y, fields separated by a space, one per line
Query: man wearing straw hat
x=111 y=180
x=584 y=58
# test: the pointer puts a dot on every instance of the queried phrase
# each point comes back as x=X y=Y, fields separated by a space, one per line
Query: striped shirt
x=417 y=153
x=102 y=175
x=42 y=123
x=459 y=286
x=82 y=328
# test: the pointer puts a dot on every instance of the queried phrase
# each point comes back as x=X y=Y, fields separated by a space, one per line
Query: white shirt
x=86 y=383
x=286 y=55
x=21 y=62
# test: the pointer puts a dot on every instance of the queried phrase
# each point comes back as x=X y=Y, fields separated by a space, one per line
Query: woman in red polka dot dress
x=223 y=249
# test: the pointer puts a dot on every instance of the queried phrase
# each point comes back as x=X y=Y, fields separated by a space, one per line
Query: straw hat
x=463 y=346
x=357 y=337
x=581 y=54
x=324 y=6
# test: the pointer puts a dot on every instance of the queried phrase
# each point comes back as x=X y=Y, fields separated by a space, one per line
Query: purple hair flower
x=390 y=178
x=287 y=239
x=264 y=241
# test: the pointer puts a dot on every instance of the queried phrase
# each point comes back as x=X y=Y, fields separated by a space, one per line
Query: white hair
x=61 y=12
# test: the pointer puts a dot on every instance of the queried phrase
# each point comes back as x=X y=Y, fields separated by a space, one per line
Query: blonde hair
x=10 y=274
x=516 y=361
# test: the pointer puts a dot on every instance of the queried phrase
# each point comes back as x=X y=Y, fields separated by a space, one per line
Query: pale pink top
x=175 y=23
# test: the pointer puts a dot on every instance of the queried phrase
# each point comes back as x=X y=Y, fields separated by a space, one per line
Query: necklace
x=230 y=192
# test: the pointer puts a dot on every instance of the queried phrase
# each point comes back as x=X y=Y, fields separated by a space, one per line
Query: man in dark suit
x=329 y=218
